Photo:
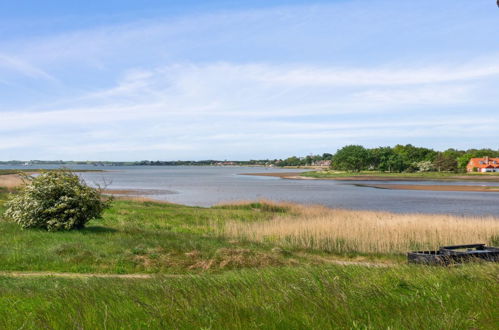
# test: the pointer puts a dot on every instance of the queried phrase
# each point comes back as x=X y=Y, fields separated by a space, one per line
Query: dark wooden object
x=455 y=254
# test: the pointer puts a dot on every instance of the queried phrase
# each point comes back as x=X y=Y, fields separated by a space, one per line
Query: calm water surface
x=206 y=186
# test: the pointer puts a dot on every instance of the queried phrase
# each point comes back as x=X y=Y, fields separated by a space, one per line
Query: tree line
x=405 y=158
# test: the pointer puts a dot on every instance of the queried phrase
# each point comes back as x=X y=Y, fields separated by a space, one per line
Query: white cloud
x=217 y=84
x=223 y=91
x=375 y=77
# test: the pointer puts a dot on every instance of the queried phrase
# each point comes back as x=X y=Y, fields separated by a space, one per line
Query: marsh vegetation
x=366 y=232
x=246 y=265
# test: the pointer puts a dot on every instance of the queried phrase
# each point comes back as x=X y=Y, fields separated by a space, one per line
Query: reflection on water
x=205 y=186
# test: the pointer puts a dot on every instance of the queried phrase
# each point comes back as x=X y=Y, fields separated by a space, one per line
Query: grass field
x=319 y=297
x=139 y=237
x=207 y=276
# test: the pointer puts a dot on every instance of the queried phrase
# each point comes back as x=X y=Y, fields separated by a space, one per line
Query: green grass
x=4 y=192
x=322 y=297
x=417 y=175
x=223 y=284
x=140 y=237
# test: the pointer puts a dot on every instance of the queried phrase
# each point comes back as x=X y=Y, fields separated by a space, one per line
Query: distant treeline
x=141 y=163
x=400 y=158
x=65 y=162
x=203 y=162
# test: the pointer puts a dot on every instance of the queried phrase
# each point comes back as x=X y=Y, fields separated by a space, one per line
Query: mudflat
x=300 y=176
x=432 y=187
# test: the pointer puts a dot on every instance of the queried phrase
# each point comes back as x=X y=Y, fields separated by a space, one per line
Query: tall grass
x=345 y=231
x=325 y=297
x=10 y=181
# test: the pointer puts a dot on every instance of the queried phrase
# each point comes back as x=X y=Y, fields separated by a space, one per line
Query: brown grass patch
x=345 y=231
x=229 y=258
x=11 y=181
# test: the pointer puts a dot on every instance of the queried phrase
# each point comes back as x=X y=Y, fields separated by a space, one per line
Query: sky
x=128 y=80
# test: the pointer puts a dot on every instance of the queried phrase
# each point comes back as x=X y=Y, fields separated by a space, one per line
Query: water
x=206 y=186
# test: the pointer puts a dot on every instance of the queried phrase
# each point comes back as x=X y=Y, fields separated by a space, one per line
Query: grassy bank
x=141 y=237
x=246 y=265
x=370 y=175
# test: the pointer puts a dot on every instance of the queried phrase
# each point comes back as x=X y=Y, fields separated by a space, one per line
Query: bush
x=55 y=200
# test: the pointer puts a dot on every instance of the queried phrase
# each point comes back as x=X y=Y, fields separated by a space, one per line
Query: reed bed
x=348 y=231
x=10 y=181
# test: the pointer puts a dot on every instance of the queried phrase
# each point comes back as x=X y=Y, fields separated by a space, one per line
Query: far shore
x=433 y=187
x=12 y=181
x=13 y=178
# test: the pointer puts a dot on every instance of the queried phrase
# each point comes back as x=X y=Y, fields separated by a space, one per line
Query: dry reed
x=345 y=231
x=10 y=181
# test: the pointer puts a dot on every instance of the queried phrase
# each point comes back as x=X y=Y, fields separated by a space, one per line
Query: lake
x=209 y=185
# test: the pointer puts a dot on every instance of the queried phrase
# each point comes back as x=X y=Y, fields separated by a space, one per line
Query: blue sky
x=132 y=80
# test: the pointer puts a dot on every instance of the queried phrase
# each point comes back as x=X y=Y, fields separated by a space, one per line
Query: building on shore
x=322 y=163
x=484 y=164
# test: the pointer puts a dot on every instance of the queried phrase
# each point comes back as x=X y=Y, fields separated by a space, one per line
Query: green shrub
x=55 y=200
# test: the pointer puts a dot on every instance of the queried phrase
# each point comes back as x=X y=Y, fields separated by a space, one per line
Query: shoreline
x=298 y=176
x=283 y=175
x=434 y=187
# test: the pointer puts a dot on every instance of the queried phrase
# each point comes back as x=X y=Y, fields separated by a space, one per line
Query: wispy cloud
x=17 y=65
x=252 y=83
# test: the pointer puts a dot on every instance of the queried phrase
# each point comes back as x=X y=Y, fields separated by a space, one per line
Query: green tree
x=445 y=162
x=408 y=155
x=327 y=156
x=351 y=158
x=292 y=161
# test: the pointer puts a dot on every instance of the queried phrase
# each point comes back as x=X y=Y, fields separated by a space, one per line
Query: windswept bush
x=55 y=200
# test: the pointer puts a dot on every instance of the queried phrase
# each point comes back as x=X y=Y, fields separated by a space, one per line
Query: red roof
x=484 y=162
